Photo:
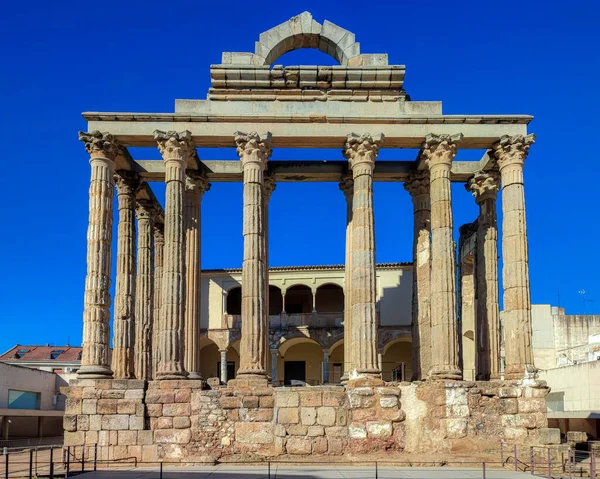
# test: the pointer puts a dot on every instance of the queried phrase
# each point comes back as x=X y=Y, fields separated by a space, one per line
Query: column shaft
x=325 y=366
x=196 y=185
x=254 y=152
x=123 y=357
x=347 y=186
x=439 y=151
x=96 y=316
x=511 y=153
x=176 y=149
x=418 y=186
x=274 y=367
x=223 y=353
x=362 y=152
x=159 y=244
x=144 y=301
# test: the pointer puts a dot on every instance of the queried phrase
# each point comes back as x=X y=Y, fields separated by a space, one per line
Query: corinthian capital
x=270 y=185
x=100 y=144
x=512 y=150
x=252 y=147
x=347 y=185
x=417 y=183
x=196 y=182
x=440 y=149
x=362 y=149
x=127 y=182
x=484 y=185
x=174 y=145
x=145 y=210
x=159 y=233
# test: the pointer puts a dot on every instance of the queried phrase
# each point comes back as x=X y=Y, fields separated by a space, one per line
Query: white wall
x=26 y=379
x=574 y=388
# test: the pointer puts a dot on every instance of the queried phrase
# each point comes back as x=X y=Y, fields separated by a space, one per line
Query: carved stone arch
x=302 y=31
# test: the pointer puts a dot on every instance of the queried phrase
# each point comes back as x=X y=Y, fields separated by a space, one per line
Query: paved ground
x=306 y=472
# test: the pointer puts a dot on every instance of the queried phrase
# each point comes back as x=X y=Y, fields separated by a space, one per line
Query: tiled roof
x=41 y=353
x=309 y=268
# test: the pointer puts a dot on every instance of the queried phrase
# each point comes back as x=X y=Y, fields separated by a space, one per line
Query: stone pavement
x=306 y=472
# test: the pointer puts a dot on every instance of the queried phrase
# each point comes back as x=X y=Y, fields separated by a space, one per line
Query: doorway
x=294 y=371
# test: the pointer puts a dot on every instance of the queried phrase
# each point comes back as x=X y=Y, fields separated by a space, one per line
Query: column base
x=445 y=372
x=194 y=375
x=259 y=373
x=94 y=372
x=163 y=376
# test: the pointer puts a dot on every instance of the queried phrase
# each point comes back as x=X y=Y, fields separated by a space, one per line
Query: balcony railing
x=285 y=321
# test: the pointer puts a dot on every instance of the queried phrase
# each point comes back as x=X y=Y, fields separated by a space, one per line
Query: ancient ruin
x=150 y=400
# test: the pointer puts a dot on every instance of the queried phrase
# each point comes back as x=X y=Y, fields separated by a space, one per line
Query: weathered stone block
x=177 y=409
x=549 y=435
x=515 y=433
x=183 y=395
x=326 y=416
x=297 y=430
x=164 y=423
x=334 y=398
x=311 y=398
x=378 y=429
x=254 y=432
x=577 y=436
x=308 y=415
x=335 y=445
x=230 y=402
x=107 y=406
x=336 y=431
x=150 y=453
x=155 y=410
x=127 y=438
x=145 y=438
x=89 y=406
x=287 y=415
x=126 y=406
x=363 y=391
x=357 y=431
x=508 y=392
x=510 y=406
x=70 y=423
x=112 y=394
x=89 y=393
x=287 y=399
x=172 y=436
x=387 y=391
x=83 y=422
x=74 y=438
x=388 y=401
x=91 y=438
x=250 y=402
x=181 y=422
x=134 y=394
x=136 y=423
x=532 y=405
x=320 y=445
x=456 y=428
x=279 y=430
x=266 y=402
x=299 y=446
x=257 y=415
x=316 y=431
x=115 y=422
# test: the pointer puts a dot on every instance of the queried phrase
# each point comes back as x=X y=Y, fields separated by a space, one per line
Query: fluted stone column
x=195 y=186
x=347 y=186
x=417 y=185
x=123 y=356
x=223 y=353
x=361 y=152
x=103 y=149
x=438 y=152
x=176 y=149
x=325 y=366
x=274 y=367
x=254 y=151
x=511 y=152
x=269 y=188
x=159 y=244
x=485 y=186
x=144 y=300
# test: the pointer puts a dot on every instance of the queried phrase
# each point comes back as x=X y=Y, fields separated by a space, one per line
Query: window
x=23 y=351
x=23 y=399
x=55 y=354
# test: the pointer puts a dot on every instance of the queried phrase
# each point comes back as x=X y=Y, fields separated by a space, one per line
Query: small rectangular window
x=23 y=399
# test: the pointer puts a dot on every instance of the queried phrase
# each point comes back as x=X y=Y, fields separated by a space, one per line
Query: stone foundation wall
x=250 y=420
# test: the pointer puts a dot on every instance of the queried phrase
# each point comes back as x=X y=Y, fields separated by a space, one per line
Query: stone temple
x=147 y=398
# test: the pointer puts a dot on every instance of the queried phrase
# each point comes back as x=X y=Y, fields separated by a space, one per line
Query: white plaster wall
x=543 y=341
x=577 y=387
x=26 y=379
x=394 y=294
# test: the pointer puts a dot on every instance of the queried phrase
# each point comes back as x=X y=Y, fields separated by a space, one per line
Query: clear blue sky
x=61 y=58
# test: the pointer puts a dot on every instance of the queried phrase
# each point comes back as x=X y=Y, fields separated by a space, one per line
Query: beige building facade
x=290 y=334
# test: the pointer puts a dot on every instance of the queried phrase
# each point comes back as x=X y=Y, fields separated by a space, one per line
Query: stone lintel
x=299 y=171
x=310 y=131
